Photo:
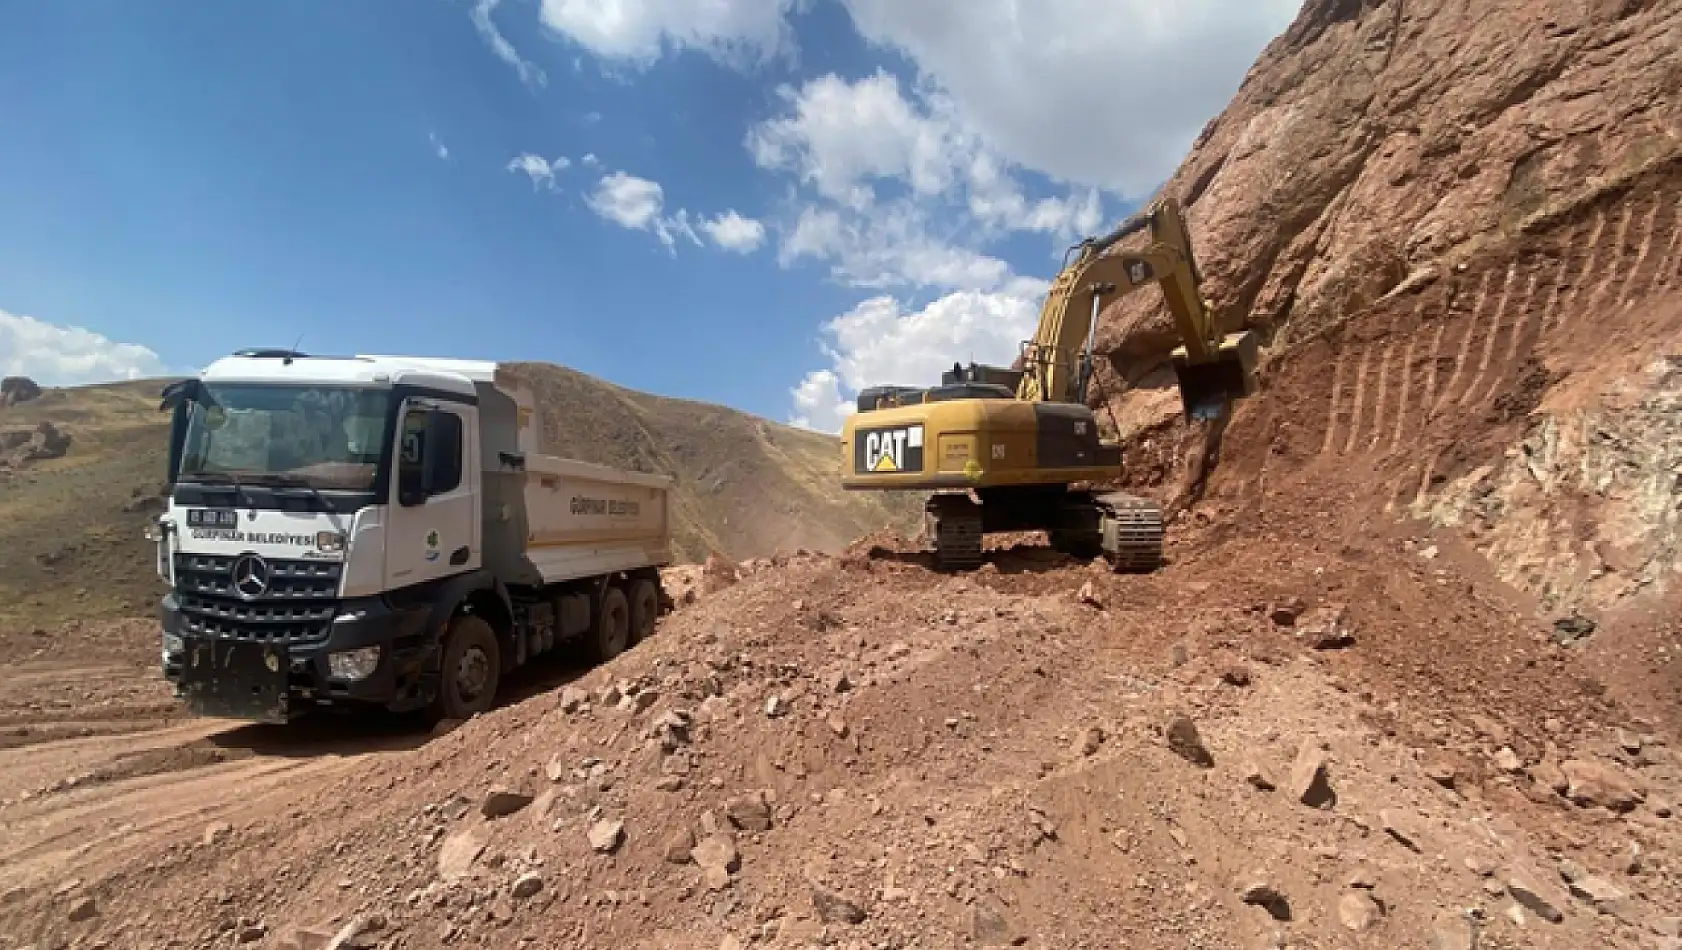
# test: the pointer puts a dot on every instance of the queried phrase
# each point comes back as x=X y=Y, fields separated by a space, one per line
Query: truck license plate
x=212 y=518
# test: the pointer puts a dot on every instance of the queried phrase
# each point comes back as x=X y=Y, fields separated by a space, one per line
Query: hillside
x=1457 y=228
x=71 y=542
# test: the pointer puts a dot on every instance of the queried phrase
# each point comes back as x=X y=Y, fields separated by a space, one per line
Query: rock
x=557 y=769
x=775 y=706
x=606 y=835
x=839 y=682
x=502 y=801
x=1309 y=782
x=988 y=925
x=16 y=390
x=641 y=701
x=832 y=908
x=1535 y=899
x=679 y=846
x=527 y=885
x=572 y=699
x=1442 y=772
x=1264 y=895
x=749 y=814
x=1326 y=628
x=1185 y=741
x=458 y=852
x=837 y=725
x=1507 y=760
x=1286 y=612
x=1596 y=784
x=354 y=935
x=1606 y=897
x=1570 y=870
x=1089 y=595
x=1629 y=742
x=717 y=573
x=730 y=943
x=1089 y=740
x=1236 y=675
x=716 y=851
x=1257 y=776
x=216 y=831
x=251 y=933
x=1399 y=827
x=1568 y=630
x=1358 y=911
x=1452 y=931
x=84 y=909
x=1550 y=776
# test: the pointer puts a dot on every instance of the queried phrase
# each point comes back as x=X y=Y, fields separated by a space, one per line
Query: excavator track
x=1133 y=532
x=954 y=522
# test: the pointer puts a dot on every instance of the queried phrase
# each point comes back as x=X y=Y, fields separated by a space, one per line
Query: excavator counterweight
x=1002 y=449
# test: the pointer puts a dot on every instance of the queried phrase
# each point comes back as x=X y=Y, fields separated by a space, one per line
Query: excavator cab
x=1209 y=386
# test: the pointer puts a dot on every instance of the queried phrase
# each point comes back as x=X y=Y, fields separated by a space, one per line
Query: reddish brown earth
x=1362 y=705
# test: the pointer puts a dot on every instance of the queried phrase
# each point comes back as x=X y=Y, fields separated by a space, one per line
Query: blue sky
x=760 y=203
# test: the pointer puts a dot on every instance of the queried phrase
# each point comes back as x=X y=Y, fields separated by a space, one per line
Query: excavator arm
x=1212 y=369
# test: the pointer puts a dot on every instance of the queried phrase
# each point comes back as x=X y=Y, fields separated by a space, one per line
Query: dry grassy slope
x=746 y=487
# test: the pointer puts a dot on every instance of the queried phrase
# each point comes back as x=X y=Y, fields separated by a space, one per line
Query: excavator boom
x=1213 y=369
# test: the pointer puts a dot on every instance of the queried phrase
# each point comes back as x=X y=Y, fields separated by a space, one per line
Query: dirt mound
x=858 y=751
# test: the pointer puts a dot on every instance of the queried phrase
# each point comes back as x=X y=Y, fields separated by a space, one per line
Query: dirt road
x=100 y=767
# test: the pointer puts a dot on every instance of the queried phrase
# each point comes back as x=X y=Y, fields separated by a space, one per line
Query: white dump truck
x=381 y=531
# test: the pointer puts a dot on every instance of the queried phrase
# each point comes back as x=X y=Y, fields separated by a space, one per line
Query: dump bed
x=584 y=519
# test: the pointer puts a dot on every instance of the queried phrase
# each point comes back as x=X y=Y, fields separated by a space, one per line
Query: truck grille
x=298 y=606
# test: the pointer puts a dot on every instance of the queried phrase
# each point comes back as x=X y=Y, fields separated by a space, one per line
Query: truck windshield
x=327 y=438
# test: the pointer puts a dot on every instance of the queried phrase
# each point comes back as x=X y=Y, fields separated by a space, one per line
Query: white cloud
x=55 y=355
x=438 y=146
x=818 y=403
x=540 y=170
x=839 y=134
x=1099 y=92
x=635 y=203
x=627 y=200
x=638 y=32
x=886 y=247
x=504 y=50
x=733 y=232
x=590 y=160
x=881 y=342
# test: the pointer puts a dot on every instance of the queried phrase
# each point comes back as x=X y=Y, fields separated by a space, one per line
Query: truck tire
x=612 y=631
x=470 y=672
x=645 y=608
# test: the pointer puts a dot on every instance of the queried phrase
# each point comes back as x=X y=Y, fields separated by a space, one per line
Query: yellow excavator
x=1004 y=449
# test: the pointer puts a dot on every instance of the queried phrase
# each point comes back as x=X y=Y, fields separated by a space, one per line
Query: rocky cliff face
x=1456 y=227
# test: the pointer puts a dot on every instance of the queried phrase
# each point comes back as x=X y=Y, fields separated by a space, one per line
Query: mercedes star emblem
x=251 y=576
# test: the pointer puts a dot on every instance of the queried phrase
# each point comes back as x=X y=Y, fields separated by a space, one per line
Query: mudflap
x=1208 y=388
x=226 y=680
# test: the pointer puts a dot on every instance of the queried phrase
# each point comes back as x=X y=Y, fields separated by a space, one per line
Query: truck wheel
x=612 y=632
x=470 y=672
x=645 y=609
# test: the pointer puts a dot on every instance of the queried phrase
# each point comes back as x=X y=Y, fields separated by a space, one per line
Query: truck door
x=434 y=525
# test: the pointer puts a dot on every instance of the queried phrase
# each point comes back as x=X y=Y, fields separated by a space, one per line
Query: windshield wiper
x=215 y=481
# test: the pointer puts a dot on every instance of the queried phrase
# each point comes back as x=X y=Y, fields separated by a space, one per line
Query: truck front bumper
x=246 y=678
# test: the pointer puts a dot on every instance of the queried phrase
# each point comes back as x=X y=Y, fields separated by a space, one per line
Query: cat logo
x=885 y=451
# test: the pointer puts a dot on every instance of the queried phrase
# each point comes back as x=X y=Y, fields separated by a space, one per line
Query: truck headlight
x=353 y=664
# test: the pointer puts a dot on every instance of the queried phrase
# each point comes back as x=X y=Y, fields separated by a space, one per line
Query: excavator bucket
x=1209 y=386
